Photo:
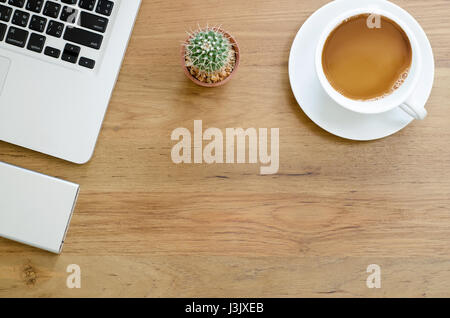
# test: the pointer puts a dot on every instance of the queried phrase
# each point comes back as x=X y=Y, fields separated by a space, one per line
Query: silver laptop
x=59 y=60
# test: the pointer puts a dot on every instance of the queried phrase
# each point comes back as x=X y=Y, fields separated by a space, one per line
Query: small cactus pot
x=235 y=47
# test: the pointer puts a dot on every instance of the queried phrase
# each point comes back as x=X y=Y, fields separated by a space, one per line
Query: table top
x=145 y=226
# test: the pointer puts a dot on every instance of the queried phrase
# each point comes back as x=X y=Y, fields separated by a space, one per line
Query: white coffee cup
x=402 y=97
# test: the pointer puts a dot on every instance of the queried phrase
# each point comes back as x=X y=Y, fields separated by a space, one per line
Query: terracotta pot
x=200 y=83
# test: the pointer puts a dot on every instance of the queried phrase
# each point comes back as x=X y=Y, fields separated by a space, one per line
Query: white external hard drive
x=35 y=209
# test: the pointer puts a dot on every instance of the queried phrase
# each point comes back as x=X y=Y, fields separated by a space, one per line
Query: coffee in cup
x=367 y=57
x=367 y=67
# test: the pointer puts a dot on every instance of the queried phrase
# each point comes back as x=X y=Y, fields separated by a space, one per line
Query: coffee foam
x=400 y=81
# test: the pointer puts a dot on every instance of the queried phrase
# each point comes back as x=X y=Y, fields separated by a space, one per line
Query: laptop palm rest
x=4 y=68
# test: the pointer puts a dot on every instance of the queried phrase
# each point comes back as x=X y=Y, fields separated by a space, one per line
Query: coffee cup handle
x=414 y=109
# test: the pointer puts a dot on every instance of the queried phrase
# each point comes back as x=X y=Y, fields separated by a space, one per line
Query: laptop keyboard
x=58 y=29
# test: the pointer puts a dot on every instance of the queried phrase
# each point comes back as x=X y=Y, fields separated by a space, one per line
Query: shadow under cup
x=369 y=62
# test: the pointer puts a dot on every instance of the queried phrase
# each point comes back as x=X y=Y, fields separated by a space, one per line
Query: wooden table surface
x=145 y=226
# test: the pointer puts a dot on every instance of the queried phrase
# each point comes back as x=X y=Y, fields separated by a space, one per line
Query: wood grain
x=146 y=227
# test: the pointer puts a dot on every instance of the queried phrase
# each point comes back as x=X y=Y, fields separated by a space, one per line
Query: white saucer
x=319 y=107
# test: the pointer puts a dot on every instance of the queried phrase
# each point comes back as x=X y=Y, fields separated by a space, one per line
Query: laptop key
x=17 y=3
x=20 y=18
x=69 y=14
x=37 y=23
x=52 y=52
x=87 y=4
x=70 y=53
x=17 y=37
x=69 y=58
x=36 y=42
x=104 y=7
x=69 y=1
x=85 y=62
x=72 y=49
x=5 y=13
x=55 y=28
x=83 y=37
x=34 y=5
x=3 y=28
x=51 y=9
x=93 y=22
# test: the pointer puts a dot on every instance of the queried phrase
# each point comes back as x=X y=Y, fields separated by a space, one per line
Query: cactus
x=210 y=56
